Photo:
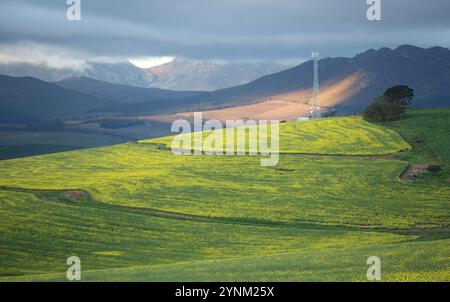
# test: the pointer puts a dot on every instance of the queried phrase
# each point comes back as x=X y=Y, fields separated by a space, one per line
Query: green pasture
x=152 y=215
x=335 y=136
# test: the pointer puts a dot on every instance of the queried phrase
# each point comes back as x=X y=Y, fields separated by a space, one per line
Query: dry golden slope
x=287 y=106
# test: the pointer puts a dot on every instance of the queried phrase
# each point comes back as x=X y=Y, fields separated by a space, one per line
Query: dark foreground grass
x=401 y=262
x=38 y=234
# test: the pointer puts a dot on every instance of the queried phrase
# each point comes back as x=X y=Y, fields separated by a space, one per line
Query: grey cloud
x=224 y=29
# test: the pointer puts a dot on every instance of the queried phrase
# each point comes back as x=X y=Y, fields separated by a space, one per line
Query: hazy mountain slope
x=41 y=72
x=207 y=75
x=120 y=73
x=121 y=93
x=23 y=99
x=178 y=75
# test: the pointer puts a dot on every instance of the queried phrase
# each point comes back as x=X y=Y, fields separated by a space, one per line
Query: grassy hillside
x=158 y=216
x=337 y=136
x=319 y=190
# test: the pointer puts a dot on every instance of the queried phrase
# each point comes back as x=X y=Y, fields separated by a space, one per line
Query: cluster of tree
x=330 y=112
x=391 y=105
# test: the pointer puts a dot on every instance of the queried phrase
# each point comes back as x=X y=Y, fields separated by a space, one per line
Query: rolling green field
x=146 y=214
x=343 y=136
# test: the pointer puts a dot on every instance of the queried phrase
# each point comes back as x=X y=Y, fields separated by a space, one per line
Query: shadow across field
x=77 y=196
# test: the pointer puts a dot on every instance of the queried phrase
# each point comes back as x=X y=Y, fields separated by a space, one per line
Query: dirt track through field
x=413 y=170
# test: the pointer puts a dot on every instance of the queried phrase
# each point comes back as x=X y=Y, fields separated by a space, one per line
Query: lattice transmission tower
x=315 y=109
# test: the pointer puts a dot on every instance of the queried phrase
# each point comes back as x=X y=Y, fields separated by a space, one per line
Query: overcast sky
x=230 y=30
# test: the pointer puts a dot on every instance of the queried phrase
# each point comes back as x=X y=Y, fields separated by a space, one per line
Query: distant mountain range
x=208 y=75
x=178 y=75
x=347 y=84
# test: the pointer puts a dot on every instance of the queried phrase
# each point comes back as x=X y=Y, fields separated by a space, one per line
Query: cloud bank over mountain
x=233 y=30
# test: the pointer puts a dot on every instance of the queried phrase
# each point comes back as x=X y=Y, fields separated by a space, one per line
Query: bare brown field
x=267 y=110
